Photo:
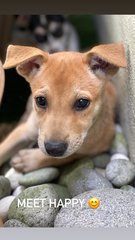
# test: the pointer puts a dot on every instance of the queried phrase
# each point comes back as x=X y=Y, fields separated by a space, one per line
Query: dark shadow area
x=15 y=96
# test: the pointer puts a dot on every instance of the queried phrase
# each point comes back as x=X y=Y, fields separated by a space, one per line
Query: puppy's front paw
x=120 y=170
x=25 y=161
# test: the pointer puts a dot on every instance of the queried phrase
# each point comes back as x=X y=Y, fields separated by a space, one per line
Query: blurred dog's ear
x=105 y=60
x=2 y=80
x=28 y=60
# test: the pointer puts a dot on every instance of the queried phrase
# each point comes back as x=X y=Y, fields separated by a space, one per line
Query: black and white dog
x=52 y=33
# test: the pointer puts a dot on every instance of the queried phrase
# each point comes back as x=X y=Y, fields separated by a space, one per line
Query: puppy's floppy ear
x=105 y=60
x=2 y=80
x=28 y=60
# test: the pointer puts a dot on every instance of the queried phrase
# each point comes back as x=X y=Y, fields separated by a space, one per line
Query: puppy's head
x=68 y=91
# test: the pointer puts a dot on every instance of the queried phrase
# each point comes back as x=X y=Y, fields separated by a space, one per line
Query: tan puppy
x=73 y=101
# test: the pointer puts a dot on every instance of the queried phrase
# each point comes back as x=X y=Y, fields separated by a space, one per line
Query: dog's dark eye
x=81 y=104
x=41 y=102
x=57 y=33
x=41 y=38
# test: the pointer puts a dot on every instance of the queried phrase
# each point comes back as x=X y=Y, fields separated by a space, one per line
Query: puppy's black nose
x=55 y=148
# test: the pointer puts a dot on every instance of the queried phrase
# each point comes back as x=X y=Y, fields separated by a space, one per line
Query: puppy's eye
x=41 y=38
x=81 y=104
x=41 y=102
x=57 y=33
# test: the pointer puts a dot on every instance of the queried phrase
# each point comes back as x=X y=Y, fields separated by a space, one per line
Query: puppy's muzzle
x=56 y=148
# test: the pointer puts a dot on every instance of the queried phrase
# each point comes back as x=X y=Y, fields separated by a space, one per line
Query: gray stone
x=68 y=169
x=128 y=188
x=18 y=190
x=116 y=209
x=5 y=187
x=83 y=178
x=39 y=176
x=119 y=144
x=120 y=171
x=44 y=215
x=13 y=177
x=4 y=206
x=14 y=223
x=101 y=161
x=1 y=222
x=100 y=171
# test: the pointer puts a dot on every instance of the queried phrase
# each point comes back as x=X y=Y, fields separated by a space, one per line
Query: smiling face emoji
x=94 y=202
